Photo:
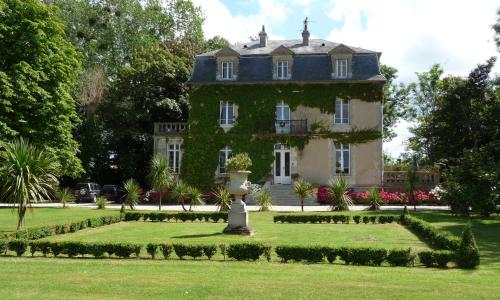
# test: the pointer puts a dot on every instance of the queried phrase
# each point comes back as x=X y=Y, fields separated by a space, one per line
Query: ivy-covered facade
x=299 y=108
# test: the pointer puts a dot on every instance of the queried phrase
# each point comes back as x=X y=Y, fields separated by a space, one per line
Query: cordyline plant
x=132 y=190
x=160 y=176
x=27 y=175
x=181 y=193
x=223 y=198
x=339 y=199
x=303 y=189
x=65 y=196
x=195 y=196
x=374 y=199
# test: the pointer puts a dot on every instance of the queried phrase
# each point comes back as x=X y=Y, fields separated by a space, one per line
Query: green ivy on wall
x=254 y=131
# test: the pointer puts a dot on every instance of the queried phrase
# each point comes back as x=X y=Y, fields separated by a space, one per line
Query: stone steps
x=284 y=195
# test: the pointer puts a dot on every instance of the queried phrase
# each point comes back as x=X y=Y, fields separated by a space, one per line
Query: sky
x=411 y=34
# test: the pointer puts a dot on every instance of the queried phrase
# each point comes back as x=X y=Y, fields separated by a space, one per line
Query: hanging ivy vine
x=254 y=131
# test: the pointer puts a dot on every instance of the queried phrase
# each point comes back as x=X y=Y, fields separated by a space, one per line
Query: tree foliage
x=38 y=69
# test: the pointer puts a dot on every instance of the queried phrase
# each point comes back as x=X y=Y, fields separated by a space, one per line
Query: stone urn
x=238 y=214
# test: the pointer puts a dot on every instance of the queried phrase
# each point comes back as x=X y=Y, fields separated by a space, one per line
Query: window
x=224 y=154
x=341 y=68
x=341 y=112
x=282 y=112
x=226 y=113
x=174 y=157
x=282 y=69
x=342 y=158
x=227 y=70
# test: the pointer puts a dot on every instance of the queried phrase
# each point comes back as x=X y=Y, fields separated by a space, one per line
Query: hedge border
x=335 y=219
x=179 y=216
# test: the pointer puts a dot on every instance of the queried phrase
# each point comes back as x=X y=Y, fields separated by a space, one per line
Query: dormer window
x=227 y=70
x=341 y=67
x=282 y=69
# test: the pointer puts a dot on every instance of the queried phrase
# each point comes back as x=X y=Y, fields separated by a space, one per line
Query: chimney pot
x=263 y=37
x=305 y=34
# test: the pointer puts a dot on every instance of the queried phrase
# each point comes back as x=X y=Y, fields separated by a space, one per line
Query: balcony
x=291 y=126
x=171 y=128
x=397 y=179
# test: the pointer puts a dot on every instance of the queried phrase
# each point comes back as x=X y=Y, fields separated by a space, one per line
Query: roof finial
x=305 y=34
x=263 y=37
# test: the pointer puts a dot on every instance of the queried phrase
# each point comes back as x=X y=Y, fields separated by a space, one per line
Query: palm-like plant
x=195 y=196
x=27 y=175
x=181 y=192
x=160 y=176
x=133 y=190
x=303 y=189
x=374 y=199
x=223 y=198
x=264 y=199
x=338 y=188
x=65 y=196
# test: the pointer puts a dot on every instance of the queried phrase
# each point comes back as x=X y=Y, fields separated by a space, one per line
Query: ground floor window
x=342 y=158
x=174 y=157
x=224 y=154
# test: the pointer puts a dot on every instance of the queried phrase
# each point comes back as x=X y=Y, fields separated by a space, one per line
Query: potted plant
x=238 y=168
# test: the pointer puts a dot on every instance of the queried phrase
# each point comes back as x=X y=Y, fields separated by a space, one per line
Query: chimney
x=305 y=34
x=263 y=37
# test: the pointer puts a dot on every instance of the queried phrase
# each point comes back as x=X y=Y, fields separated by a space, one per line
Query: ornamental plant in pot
x=238 y=167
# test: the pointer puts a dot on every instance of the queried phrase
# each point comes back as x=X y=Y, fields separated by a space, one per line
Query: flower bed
x=388 y=198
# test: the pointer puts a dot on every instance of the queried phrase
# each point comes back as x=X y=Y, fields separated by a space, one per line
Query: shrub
x=33 y=247
x=72 y=249
x=209 y=250
x=338 y=188
x=3 y=245
x=382 y=219
x=101 y=203
x=125 y=250
x=239 y=162
x=267 y=251
x=133 y=216
x=356 y=219
x=443 y=257
x=300 y=253
x=331 y=254
x=437 y=238
x=366 y=219
x=195 y=251
x=133 y=190
x=56 y=248
x=345 y=254
x=245 y=251
x=426 y=258
x=180 y=250
x=152 y=249
x=74 y=227
x=19 y=246
x=401 y=257
x=390 y=219
x=223 y=250
x=166 y=250
x=374 y=198
x=373 y=219
x=468 y=252
x=96 y=250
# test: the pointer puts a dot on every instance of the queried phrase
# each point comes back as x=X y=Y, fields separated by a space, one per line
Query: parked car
x=112 y=192
x=87 y=192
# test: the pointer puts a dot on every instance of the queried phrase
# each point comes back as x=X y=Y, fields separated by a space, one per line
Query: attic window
x=322 y=44
x=245 y=46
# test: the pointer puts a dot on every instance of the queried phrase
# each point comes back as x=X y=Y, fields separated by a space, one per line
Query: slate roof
x=311 y=63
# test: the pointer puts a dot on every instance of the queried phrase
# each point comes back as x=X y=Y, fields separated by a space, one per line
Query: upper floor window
x=282 y=112
x=227 y=70
x=226 y=113
x=282 y=69
x=342 y=158
x=341 y=65
x=224 y=155
x=174 y=157
x=341 y=111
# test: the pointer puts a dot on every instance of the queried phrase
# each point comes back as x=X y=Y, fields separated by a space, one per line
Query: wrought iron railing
x=291 y=126
x=170 y=128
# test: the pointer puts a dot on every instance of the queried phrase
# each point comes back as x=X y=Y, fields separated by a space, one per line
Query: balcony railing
x=397 y=179
x=291 y=126
x=172 y=128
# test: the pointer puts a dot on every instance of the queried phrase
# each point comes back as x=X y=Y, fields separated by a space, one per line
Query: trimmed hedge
x=343 y=219
x=19 y=246
x=401 y=257
x=180 y=216
x=437 y=258
x=4 y=245
x=246 y=251
x=437 y=238
x=72 y=249
x=35 y=233
x=300 y=253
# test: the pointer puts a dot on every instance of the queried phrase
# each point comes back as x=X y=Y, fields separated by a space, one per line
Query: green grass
x=83 y=278
x=376 y=235
x=48 y=216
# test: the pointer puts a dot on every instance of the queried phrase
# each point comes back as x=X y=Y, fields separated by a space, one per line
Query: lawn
x=48 y=216
x=377 y=235
x=85 y=278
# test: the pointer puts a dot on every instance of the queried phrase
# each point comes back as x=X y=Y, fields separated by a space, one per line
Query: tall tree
x=496 y=28
x=38 y=69
x=396 y=97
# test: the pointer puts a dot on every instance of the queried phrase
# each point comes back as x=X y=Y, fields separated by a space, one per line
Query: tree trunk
x=302 y=204
x=159 y=203
x=21 y=212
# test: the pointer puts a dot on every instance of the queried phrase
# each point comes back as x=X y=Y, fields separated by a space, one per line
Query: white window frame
x=283 y=66
x=227 y=70
x=282 y=105
x=341 y=149
x=227 y=152
x=224 y=120
x=175 y=165
x=341 y=67
x=338 y=117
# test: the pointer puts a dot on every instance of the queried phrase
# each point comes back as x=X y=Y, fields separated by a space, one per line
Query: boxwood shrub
x=166 y=250
x=401 y=257
x=245 y=251
x=19 y=246
x=180 y=216
x=437 y=238
x=439 y=258
x=336 y=219
x=3 y=245
x=300 y=253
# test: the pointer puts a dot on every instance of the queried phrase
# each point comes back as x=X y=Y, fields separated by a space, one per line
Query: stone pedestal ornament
x=238 y=214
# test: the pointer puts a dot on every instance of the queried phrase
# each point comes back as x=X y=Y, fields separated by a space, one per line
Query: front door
x=282 y=157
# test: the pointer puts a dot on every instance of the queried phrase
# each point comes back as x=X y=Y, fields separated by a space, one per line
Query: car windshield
x=108 y=188
x=82 y=186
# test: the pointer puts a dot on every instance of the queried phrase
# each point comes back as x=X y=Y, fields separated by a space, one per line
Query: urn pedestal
x=237 y=222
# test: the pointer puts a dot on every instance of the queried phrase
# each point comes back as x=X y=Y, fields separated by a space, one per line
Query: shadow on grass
x=187 y=236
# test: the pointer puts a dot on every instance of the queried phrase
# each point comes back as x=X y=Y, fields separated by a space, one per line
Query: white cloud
x=238 y=27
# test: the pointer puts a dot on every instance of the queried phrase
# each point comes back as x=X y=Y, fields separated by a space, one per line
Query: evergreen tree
x=468 y=253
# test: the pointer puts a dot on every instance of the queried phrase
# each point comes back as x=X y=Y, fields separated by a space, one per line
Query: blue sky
x=412 y=35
